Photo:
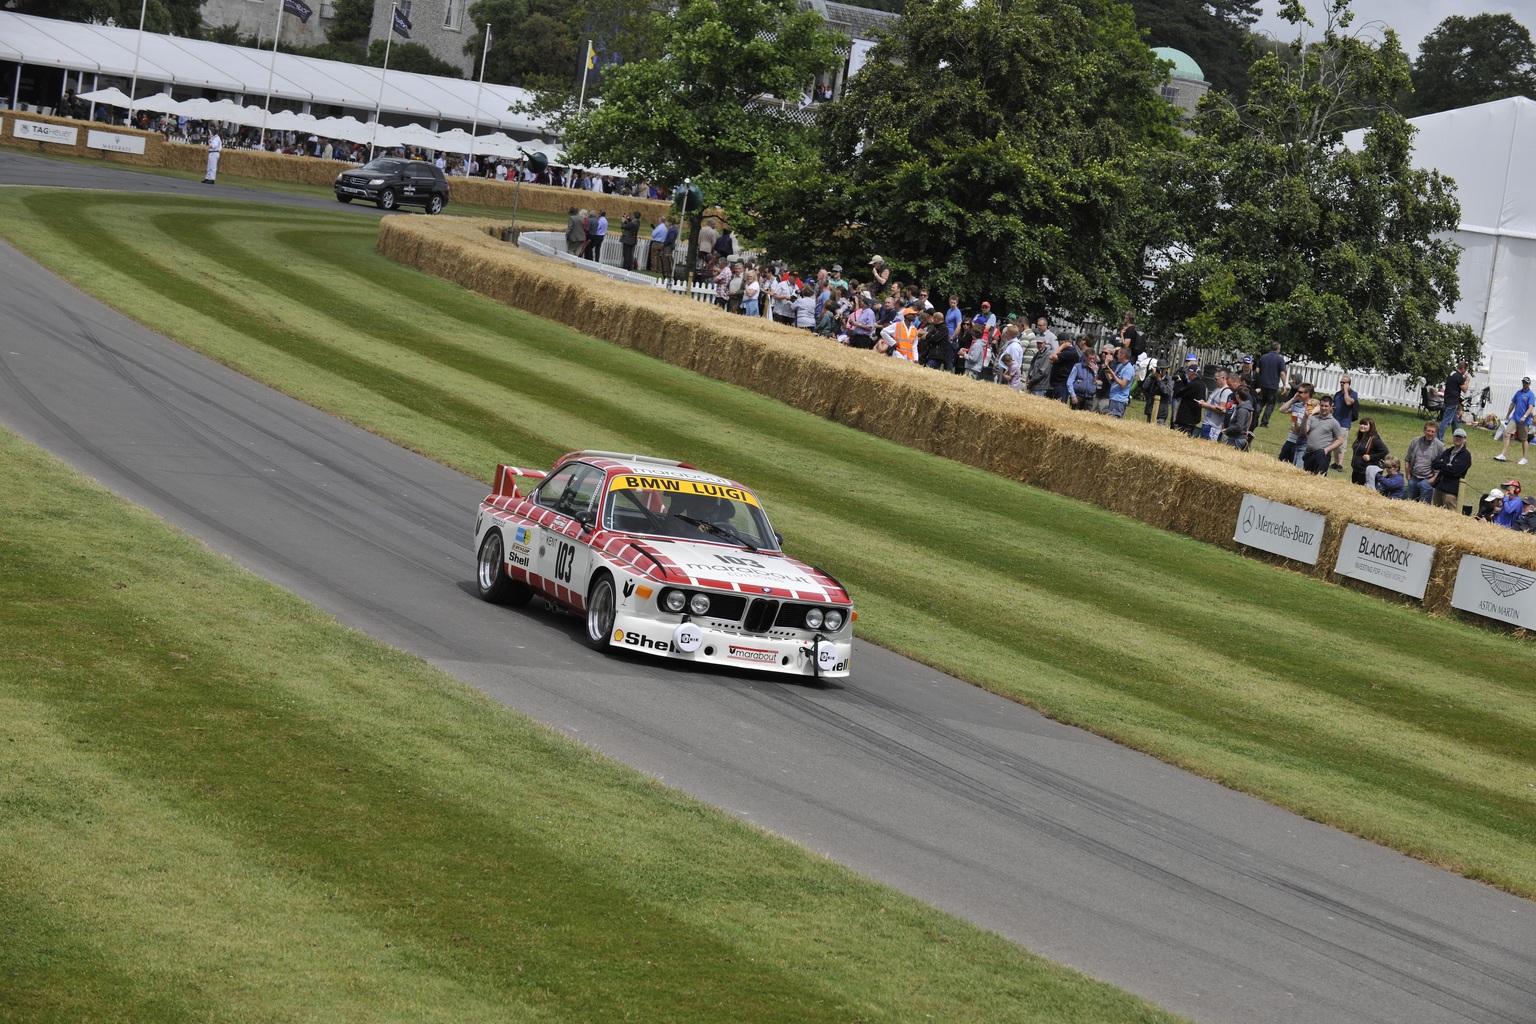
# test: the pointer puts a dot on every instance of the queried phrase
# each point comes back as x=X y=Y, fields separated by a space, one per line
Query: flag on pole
x=591 y=56
x=299 y=9
x=402 y=24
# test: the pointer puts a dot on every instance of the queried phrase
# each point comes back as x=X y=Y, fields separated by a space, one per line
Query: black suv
x=392 y=182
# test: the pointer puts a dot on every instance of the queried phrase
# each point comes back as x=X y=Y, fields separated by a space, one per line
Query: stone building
x=258 y=17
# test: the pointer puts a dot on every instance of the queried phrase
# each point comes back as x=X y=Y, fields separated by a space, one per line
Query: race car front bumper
x=816 y=656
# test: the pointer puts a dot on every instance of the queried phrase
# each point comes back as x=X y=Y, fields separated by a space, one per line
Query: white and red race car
x=661 y=558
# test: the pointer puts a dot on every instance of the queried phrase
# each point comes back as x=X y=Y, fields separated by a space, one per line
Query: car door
x=563 y=558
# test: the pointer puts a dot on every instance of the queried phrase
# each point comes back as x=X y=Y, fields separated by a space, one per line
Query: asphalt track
x=1209 y=903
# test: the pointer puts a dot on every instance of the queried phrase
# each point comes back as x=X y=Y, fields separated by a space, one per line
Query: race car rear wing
x=505 y=483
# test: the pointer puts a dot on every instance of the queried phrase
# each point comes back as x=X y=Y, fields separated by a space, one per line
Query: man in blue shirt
x=953 y=318
x=1271 y=377
x=1125 y=375
x=1518 y=422
x=1513 y=507
x=1346 y=406
x=658 y=240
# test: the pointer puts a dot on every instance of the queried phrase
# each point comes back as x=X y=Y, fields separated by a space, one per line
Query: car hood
x=725 y=567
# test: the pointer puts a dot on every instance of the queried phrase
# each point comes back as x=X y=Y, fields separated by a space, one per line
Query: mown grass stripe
x=1098 y=620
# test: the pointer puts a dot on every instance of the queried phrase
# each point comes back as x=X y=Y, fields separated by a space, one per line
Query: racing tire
x=491 y=574
x=387 y=199
x=435 y=204
x=602 y=610
x=343 y=199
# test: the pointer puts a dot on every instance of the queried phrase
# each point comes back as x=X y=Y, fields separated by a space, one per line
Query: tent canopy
x=194 y=65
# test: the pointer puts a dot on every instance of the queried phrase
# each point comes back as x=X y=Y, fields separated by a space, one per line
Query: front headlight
x=375 y=181
x=675 y=601
x=834 y=620
x=813 y=618
x=698 y=604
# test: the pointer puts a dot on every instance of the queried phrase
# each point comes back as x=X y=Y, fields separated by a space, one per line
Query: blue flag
x=299 y=9
x=402 y=24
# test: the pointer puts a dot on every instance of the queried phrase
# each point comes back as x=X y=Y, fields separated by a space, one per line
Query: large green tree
x=1473 y=60
x=989 y=149
x=1213 y=32
x=1279 y=231
x=533 y=43
x=704 y=106
x=176 y=17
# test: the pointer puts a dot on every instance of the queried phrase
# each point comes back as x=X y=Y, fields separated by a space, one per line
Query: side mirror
x=778 y=539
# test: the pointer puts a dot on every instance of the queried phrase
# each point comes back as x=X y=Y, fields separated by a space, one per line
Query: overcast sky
x=1413 y=19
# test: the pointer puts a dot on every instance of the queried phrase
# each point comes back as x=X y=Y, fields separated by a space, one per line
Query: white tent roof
x=1488 y=150
x=197 y=65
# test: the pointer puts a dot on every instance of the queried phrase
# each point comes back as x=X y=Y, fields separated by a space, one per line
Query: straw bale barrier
x=152 y=156
x=554 y=199
x=1139 y=470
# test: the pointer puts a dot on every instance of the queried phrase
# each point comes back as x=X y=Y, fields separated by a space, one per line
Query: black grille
x=760 y=615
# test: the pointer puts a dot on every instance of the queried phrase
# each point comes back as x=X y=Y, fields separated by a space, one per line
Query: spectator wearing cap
x=1038 y=379
x=879 y=274
x=1188 y=396
x=988 y=316
x=1450 y=469
x=1514 y=505
x=1518 y=422
x=860 y=325
x=837 y=280
x=1346 y=406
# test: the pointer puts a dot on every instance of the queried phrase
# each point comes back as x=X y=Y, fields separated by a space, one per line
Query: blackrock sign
x=1496 y=590
x=1385 y=560
x=1279 y=529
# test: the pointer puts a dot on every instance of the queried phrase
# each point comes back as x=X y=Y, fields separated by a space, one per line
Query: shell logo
x=618 y=636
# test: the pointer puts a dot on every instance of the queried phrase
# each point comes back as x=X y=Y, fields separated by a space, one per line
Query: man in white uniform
x=215 y=145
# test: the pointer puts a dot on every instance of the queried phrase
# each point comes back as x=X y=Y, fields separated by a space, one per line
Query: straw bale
x=1139 y=470
x=154 y=144
x=554 y=199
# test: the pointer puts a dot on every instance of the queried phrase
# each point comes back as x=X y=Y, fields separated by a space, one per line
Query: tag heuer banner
x=299 y=9
x=402 y=24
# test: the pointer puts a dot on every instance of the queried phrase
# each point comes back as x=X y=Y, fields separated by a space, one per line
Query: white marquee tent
x=1489 y=150
x=97 y=56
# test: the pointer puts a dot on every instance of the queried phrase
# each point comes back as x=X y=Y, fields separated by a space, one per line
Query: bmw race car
x=660 y=558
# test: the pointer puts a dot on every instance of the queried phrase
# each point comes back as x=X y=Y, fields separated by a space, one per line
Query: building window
x=453 y=17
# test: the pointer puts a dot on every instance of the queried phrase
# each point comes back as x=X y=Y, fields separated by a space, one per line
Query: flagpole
x=266 y=111
x=586 y=66
x=475 y=124
x=378 y=108
x=137 y=43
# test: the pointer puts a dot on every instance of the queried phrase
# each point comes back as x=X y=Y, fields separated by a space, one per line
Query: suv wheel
x=387 y=200
x=343 y=199
x=435 y=204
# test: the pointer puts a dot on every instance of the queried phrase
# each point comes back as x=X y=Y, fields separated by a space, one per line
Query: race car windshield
x=687 y=510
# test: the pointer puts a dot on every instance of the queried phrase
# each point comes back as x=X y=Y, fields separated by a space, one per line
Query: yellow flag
x=591 y=56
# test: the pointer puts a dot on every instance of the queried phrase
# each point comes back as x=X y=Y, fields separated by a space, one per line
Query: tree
x=988 y=149
x=1473 y=60
x=411 y=57
x=1213 y=32
x=176 y=17
x=532 y=45
x=1280 y=232
x=702 y=107
x=350 y=23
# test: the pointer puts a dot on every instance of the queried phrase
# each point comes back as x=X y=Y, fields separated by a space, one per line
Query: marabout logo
x=1505 y=583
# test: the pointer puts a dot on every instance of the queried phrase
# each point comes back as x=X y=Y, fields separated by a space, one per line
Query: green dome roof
x=1184 y=65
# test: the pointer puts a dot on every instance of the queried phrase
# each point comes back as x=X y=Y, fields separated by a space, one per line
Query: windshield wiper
x=717 y=530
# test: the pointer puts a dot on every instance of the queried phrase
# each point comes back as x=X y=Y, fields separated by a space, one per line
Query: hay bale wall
x=1139 y=470
x=304 y=170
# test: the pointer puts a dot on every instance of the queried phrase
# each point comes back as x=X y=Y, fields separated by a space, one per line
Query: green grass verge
x=219 y=804
x=1410 y=730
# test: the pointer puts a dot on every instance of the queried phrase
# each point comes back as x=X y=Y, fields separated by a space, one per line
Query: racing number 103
x=565 y=558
